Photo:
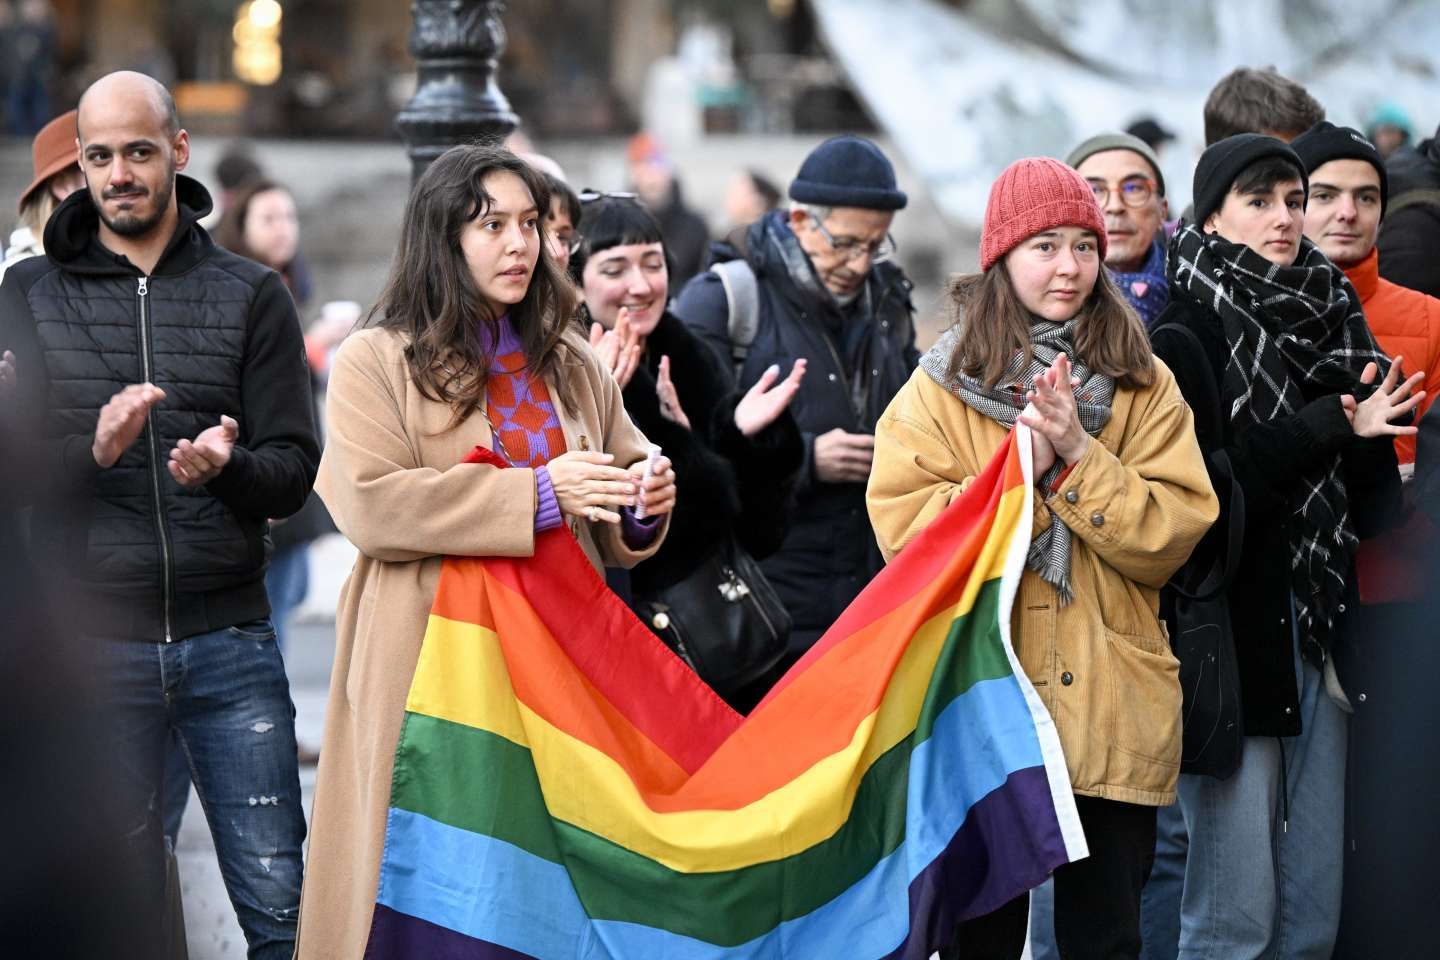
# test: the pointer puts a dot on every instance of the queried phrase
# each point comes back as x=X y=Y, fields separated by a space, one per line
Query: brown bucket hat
x=53 y=151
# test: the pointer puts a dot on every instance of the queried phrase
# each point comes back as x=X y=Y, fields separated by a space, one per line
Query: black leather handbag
x=724 y=620
x=1202 y=635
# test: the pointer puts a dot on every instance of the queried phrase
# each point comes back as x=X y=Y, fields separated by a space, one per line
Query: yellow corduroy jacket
x=1137 y=501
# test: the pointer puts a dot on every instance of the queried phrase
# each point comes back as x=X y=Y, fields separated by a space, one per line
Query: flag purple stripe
x=962 y=883
x=394 y=935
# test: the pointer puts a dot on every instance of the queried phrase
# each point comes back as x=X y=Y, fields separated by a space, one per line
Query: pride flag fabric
x=566 y=789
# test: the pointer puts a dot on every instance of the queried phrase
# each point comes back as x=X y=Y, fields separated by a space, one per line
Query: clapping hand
x=1042 y=452
x=194 y=463
x=618 y=347
x=669 y=399
x=1373 y=417
x=121 y=420
x=1052 y=413
x=761 y=404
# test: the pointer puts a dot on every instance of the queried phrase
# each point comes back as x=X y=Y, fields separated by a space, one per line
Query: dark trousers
x=1097 y=900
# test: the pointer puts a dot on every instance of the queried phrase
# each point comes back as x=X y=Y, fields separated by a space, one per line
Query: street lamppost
x=456 y=44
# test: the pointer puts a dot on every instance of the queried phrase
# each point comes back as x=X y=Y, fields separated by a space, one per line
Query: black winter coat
x=725 y=482
x=1410 y=232
x=1268 y=461
x=859 y=358
x=135 y=554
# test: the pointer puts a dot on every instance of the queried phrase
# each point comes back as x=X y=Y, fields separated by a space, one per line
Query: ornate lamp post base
x=456 y=44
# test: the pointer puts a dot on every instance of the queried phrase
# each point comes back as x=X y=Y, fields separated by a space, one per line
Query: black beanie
x=1224 y=161
x=1325 y=142
x=848 y=171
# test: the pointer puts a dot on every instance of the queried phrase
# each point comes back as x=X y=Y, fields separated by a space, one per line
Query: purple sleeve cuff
x=638 y=534
x=547 y=511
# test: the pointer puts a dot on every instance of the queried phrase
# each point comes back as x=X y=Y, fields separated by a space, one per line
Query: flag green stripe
x=728 y=907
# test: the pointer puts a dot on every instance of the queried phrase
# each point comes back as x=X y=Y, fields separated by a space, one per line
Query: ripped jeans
x=225 y=696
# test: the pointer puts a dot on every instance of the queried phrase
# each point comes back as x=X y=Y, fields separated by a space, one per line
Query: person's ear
x=798 y=219
x=1164 y=209
x=1212 y=223
x=180 y=147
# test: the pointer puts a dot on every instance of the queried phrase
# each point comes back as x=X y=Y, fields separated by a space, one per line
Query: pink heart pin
x=1138 y=287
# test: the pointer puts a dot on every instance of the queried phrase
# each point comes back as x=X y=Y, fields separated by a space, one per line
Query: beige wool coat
x=1137 y=501
x=392 y=478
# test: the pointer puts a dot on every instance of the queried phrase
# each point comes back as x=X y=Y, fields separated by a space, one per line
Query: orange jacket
x=1407 y=324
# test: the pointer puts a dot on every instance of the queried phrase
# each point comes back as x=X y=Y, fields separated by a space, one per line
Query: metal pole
x=456 y=44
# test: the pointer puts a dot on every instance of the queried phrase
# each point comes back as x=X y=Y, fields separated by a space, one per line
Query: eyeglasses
x=1134 y=191
x=590 y=196
x=850 y=248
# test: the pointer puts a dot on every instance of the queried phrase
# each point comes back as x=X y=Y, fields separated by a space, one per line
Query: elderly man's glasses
x=850 y=248
x=1134 y=191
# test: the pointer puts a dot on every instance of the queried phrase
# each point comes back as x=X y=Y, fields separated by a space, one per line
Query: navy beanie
x=848 y=171
x=1325 y=142
x=1223 y=162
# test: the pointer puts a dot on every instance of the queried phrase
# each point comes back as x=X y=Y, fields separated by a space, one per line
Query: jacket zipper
x=154 y=445
x=855 y=406
x=839 y=367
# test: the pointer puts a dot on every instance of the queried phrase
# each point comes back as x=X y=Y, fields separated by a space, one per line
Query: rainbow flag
x=566 y=788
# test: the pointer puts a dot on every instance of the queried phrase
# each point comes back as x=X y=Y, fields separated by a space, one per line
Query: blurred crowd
x=1226 y=604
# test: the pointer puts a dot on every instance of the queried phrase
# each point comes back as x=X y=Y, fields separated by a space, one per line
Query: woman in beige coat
x=1122 y=497
x=472 y=346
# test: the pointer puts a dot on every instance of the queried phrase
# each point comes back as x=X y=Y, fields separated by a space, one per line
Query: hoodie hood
x=72 y=235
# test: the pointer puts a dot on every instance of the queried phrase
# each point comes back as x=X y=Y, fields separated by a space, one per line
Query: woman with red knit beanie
x=1043 y=337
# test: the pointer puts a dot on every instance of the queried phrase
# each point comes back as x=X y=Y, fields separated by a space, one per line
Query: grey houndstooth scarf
x=1288 y=329
x=1049 y=553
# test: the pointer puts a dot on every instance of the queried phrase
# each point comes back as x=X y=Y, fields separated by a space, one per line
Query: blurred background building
x=954 y=89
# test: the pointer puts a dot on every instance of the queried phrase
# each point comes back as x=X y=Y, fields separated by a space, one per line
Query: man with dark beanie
x=817 y=281
x=1384 y=907
x=1271 y=350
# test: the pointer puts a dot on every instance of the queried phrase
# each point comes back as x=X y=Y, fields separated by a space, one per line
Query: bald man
x=165 y=380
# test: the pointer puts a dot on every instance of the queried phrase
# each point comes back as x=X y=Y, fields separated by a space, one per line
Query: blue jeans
x=1042 y=922
x=1160 y=903
x=1255 y=885
x=224 y=697
x=287 y=581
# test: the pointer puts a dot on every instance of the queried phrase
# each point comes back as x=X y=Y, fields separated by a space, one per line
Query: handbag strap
x=1223 y=571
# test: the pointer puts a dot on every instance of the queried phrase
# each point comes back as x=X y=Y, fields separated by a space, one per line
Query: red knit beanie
x=1034 y=195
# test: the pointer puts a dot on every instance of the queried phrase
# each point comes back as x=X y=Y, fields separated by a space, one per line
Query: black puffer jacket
x=859 y=358
x=135 y=554
x=725 y=482
x=1269 y=461
x=1410 y=233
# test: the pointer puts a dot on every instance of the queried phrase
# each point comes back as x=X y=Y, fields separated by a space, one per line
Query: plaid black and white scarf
x=1049 y=553
x=1291 y=331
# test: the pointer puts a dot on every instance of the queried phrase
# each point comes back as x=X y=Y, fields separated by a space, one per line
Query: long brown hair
x=431 y=297
x=994 y=324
